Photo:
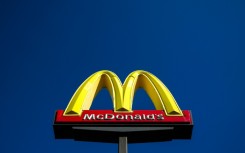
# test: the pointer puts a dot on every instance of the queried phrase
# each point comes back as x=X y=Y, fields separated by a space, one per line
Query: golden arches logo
x=122 y=95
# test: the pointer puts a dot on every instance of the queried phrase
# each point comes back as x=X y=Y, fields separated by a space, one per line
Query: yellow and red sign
x=77 y=120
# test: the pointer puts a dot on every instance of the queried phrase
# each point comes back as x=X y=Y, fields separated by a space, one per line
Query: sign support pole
x=123 y=145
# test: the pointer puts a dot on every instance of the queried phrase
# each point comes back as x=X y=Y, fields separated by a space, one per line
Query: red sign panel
x=137 y=116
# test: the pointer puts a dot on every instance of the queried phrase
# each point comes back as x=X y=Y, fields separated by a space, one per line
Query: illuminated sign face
x=167 y=122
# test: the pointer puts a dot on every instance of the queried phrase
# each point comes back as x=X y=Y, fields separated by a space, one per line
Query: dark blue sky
x=48 y=48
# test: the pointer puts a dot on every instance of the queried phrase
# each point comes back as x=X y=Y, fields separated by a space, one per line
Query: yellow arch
x=157 y=91
x=122 y=95
x=83 y=97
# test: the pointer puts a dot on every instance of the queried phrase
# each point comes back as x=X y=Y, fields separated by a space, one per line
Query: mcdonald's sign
x=167 y=122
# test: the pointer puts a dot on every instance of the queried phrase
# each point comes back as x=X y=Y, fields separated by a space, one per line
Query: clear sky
x=48 y=48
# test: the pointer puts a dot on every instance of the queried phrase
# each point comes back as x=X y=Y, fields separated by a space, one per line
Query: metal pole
x=123 y=145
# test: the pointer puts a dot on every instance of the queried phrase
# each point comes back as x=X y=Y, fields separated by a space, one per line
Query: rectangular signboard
x=136 y=116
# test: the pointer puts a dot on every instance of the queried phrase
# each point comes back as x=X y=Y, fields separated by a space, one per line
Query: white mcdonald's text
x=108 y=116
